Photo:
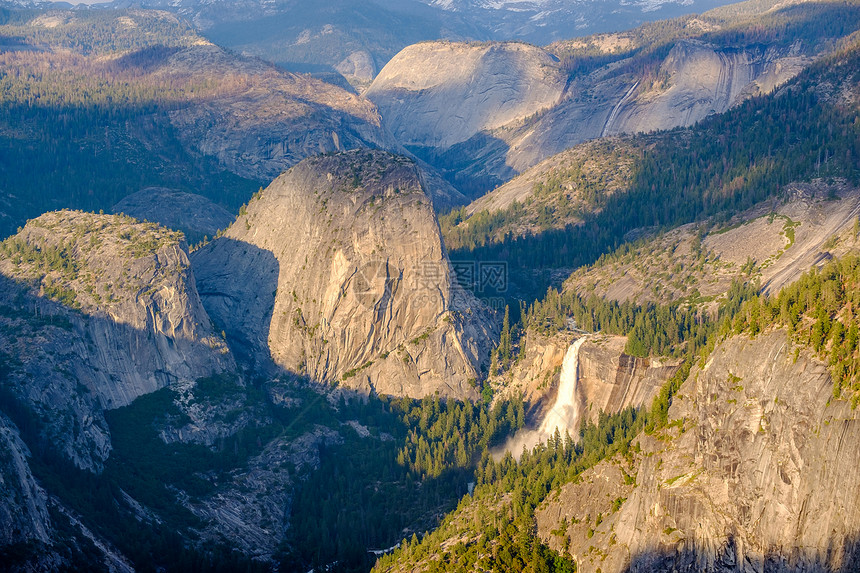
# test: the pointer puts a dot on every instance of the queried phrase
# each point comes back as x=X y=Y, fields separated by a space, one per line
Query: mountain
x=555 y=193
x=356 y=38
x=194 y=215
x=103 y=309
x=544 y=21
x=352 y=281
x=755 y=414
x=262 y=120
x=136 y=99
x=340 y=379
x=126 y=427
x=737 y=481
x=748 y=311
x=112 y=370
x=506 y=83
x=650 y=78
x=682 y=176
x=771 y=244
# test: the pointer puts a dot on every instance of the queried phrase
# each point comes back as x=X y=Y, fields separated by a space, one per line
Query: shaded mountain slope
x=194 y=215
x=99 y=310
x=655 y=77
x=95 y=105
x=337 y=271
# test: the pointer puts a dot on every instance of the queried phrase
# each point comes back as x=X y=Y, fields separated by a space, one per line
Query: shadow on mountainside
x=730 y=557
x=475 y=166
x=59 y=166
x=237 y=283
x=67 y=367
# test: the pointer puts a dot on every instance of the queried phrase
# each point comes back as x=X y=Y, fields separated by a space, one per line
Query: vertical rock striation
x=337 y=271
x=756 y=473
x=608 y=380
x=23 y=504
x=611 y=380
x=96 y=311
x=490 y=111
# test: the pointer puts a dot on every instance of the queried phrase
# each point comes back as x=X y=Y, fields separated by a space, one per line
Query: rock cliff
x=337 y=271
x=98 y=310
x=258 y=120
x=23 y=504
x=756 y=472
x=698 y=79
x=543 y=111
x=438 y=94
x=261 y=120
x=608 y=379
x=252 y=510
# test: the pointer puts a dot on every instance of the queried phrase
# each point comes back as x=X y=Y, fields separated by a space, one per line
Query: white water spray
x=564 y=413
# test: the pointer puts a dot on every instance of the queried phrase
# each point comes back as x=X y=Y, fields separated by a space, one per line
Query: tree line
x=821 y=311
x=718 y=168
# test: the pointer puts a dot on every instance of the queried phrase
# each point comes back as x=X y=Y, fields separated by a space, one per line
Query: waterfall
x=564 y=413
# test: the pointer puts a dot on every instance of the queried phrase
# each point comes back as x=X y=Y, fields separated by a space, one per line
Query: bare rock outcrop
x=194 y=215
x=260 y=120
x=98 y=310
x=434 y=95
x=609 y=380
x=695 y=80
x=23 y=504
x=536 y=371
x=251 y=510
x=337 y=271
x=437 y=94
x=699 y=79
x=756 y=472
x=358 y=68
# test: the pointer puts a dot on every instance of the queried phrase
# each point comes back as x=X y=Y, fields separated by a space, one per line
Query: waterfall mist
x=564 y=414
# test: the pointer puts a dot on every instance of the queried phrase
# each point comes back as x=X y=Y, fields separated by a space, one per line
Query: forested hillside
x=706 y=174
x=82 y=122
x=819 y=312
x=339 y=382
x=720 y=167
x=96 y=105
x=559 y=191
